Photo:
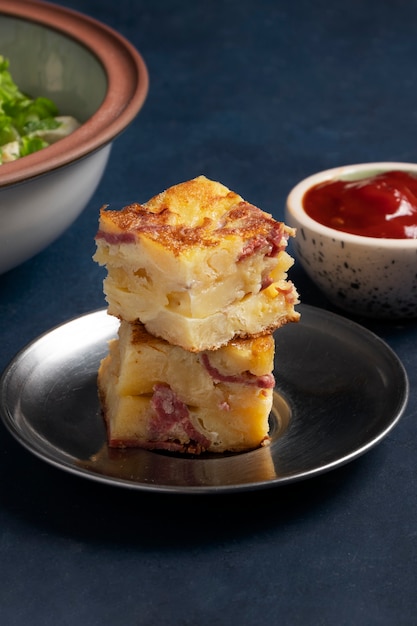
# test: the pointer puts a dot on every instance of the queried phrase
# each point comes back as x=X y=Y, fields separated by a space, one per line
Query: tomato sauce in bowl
x=356 y=236
x=384 y=205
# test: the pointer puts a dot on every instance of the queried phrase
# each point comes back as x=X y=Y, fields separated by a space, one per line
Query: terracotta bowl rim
x=127 y=87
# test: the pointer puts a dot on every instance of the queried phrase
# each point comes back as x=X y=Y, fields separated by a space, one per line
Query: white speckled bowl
x=367 y=276
x=91 y=72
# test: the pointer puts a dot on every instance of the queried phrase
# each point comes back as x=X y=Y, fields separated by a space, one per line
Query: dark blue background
x=257 y=95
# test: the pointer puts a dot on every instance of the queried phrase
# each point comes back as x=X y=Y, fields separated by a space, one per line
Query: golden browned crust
x=103 y=404
x=199 y=212
x=198 y=192
x=140 y=334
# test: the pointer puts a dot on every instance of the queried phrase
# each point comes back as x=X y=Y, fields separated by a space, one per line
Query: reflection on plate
x=340 y=390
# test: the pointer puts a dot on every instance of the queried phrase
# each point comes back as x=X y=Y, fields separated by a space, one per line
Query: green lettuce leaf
x=21 y=115
x=32 y=144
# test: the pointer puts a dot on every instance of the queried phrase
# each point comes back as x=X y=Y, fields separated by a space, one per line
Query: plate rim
x=12 y=427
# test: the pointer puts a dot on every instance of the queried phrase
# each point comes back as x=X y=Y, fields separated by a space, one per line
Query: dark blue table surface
x=257 y=95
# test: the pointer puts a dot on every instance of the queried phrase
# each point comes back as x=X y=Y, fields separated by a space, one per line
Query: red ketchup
x=384 y=205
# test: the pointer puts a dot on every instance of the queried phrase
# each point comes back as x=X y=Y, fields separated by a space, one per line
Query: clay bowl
x=92 y=73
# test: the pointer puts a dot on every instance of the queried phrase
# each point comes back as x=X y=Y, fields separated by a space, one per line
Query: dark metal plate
x=340 y=390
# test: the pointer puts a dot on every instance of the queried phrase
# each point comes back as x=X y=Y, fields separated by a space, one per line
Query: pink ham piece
x=171 y=426
x=274 y=241
x=246 y=378
x=116 y=238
